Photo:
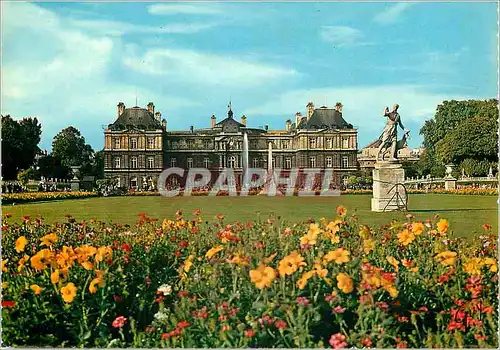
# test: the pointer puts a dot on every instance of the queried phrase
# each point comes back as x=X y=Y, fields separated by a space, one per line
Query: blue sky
x=71 y=63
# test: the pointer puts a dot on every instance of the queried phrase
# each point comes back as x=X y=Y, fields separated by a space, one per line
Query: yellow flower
x=334 y=226
x=414 y=269
x=4 y=265
x=290 y=263
x=22 y=262
x=446 y=258
x=339 y=255
x=68 y=292
x=365 y=232
x=417 y=228
x=21 y=244
x=341 y=211
x=98 y=281
x=393 y=292
x=345 y=283
x=405 y=237
x=393 y=262
x=84 y=252
x=319 y=270
x=36 y=289
x=49 y=239
x=41 y=259
x=311 y=236
x=238 y=259
x=213 y=251
x=302 y=282
x=491 y=263
x=188 y=263
x=473 y=266
x=66 y=257
x=59 y=275
x=442 y=226
x=103 y=253
x=87 y=265
x=368 y=245
x=4 y=285
x=263 y=276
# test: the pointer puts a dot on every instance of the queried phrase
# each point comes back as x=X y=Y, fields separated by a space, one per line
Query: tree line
x=22 y=159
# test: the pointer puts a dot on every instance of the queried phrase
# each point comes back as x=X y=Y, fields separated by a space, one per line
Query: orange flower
x=263 y=276
x=103 y=253
x=213 y=251
x=339 y=255
x=393 y=262
x=368 y=245
x=59 y=275
x=36 y=289
x=21 y=244
x=99 y=281
x=68 y=292
x=290 y=263
x=41 y=259
x=22 y=262
x=311 y=236
x=49 y=239
x=4 y=265
x=66 y=257
x=405 y=237
x=302 y=282
x=442 y=226
x=492 y=263
x=238 y=259
x=417 y=228
x=446 y=258
x=345 y=283
x=341 y=211
x=473 y=266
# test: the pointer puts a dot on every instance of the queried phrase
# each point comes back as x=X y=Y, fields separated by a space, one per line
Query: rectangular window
x=117 y=162
x=312 y=142
x=345 y=162
x=345 y=142
x=190 y=144
x=312 y=162
x=255 y=162
x=173 y=162
x=133 y=143
x=117 y=143
x=285 y=144
x=273 y=163
x=190 y=162
x=288 y=163
x=207 y=144
x=206 y=162
x=151 y=143
x=151 y=162
x=329 y=162
x=329 y=142
x=133 y=162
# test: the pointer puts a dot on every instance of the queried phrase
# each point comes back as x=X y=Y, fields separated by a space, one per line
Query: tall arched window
x=117 y=162
x=133 y=162
x=231 y=162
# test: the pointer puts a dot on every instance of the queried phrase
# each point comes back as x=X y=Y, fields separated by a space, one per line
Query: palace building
x=138 y=145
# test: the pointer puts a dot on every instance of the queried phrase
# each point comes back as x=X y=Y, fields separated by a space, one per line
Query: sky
x=71 y=63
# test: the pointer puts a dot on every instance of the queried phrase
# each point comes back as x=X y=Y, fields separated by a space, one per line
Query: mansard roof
x=325 y=118
x=136 y=118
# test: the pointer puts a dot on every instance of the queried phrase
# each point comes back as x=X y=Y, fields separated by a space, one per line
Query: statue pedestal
x=385 y=176
x=450 y=183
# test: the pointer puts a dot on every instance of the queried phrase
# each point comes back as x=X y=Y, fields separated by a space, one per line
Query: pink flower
x=338 y=341
x=119 y=322
x=302 y=301
x=280 y=324
x=338 y=309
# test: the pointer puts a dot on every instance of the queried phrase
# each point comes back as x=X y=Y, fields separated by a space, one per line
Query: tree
x=51 y=167
x=25 y=175
x=20 y=141
x=460 y=130
x=98 y=165
x=69 y=146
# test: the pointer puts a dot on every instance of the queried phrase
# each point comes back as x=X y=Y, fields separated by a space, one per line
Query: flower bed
x=210 y=283
x=26 y=197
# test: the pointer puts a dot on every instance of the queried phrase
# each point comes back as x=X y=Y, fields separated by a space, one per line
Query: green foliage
x=19 y=145
x=460 y=130
x=69 y=146
x=473 y=167
x=25 y=175
x=51 y=167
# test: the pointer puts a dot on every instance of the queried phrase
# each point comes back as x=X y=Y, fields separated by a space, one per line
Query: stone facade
x=138 y=145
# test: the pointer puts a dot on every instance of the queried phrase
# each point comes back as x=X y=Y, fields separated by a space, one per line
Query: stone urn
x=449 y=170
x=76 y=171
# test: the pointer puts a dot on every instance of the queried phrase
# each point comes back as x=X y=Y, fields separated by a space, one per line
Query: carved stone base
x=75 y=185
x=385 y=176
x=450 y=183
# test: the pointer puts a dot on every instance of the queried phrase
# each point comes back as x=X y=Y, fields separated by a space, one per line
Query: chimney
x=214 y=120
x=298 y=117
x=158 y=116
x=288 y=125
x=121 y=108
x=244 y=120
x=309 y=110
x=164 y=124
x=151 y=108
x=338 y=107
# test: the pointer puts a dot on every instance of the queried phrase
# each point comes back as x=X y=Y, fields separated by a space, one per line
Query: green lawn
x=466 y=213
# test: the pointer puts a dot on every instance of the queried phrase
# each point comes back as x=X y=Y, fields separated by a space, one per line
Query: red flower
x=194 y=230
x=260 y=245
x=338 y=309
x=150 y=329
x=487 y=227
x=382 y=305
x=366 y=342
x=6 y=303
x=280 y=324
x=248 y=225
x=183 y=244
x=480 y=337
x=222 y=318
x=8 y=215
x=177 y=253
x=117 y=298
x=338 y=341
x=183 y=293
x=249 y=333
x=265 y=320
x=126 y=247
x=401 y=345
x=219 y=216
x=182 y=324
x=196 y=212
x=119 y=322
x=159 y=299
x=302 y=301
x=423 y=309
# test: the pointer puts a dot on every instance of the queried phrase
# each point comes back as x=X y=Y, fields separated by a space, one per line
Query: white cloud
x=205 y=68
x=190 y=9
x=342 y=36
x=392 y=12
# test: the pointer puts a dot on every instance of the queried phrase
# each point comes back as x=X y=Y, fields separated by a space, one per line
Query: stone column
x=270 y=156
x=75 y=182
x=385 y=176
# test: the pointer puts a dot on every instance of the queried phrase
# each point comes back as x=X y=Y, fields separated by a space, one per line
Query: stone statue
x=389 y=136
